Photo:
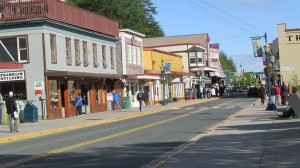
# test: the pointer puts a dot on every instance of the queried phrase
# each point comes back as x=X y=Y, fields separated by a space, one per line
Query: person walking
x=262 y=94
x=12 y=111
x=277 y=94
x=78 y=104
x=116 y=97
x=284 y=93
x=141 y=98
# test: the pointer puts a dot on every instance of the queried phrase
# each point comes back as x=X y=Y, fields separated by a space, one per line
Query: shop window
x=14 y=49
x=53 y=49
x=98 y=93
x=68 y=51
x=112 y=57
x=72 y=88
x=53 y=94
x=104 y=56
x=95 y=55
x=18 y=88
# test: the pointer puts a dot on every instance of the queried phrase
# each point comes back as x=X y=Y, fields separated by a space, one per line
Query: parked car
x=253 y=91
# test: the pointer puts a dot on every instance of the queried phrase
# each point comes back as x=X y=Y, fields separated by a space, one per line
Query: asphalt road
x=128 y=144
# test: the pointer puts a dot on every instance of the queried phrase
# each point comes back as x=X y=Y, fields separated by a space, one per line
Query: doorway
x=85 y=98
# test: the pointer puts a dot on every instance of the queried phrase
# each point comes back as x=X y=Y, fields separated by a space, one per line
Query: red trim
x=10 y=66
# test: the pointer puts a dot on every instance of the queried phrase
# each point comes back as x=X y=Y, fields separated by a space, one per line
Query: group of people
x=277 y=93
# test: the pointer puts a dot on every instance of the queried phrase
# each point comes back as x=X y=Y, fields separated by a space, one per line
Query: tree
x=227 y=64
x=137 y=15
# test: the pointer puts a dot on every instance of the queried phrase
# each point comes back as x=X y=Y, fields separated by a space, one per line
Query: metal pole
x=271 y=105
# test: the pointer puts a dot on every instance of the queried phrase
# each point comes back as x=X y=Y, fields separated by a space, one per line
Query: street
x=129 y=143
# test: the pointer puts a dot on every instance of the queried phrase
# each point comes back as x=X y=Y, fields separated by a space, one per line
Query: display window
x=18 y=88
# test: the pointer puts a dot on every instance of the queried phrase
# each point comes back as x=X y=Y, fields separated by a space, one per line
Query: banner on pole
x=257 y=48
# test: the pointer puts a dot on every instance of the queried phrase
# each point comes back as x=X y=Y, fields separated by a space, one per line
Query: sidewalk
x=44 y=127
x=253 y=137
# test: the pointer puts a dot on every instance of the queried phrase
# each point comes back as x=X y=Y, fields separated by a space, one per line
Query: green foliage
x=137 y=15
x=294 y=82
x=227 y=64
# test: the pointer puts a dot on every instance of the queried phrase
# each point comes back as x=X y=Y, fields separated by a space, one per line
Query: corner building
x=64 y=49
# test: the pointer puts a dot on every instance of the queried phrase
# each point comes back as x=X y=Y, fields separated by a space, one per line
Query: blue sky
x=247 y=18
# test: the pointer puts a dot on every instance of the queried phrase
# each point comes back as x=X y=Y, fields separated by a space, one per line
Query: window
x=129 y=53
x=77 y=53
x=72 y=88
x=192 y=57
x=138 y=56
x=199 y=60
x=53 y=94
x=97 y=87
x=53 y=49
x=133 y=54
x=85 y=54
x=95 y=55
x=104 y=56
x=112 y=57
x=68 y=51
x=14 y=50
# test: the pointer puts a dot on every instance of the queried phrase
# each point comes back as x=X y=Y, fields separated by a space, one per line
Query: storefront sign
x=292 y=38
x=38 y=87
x=12 y=76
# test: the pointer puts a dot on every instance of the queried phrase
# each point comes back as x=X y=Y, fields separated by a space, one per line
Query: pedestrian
x=141 y=98
x=12 y=111
x=217 y=91
x=190 y=94
x=277 y=94
x=208 y=92
x=204 y=92
x=116 y=97
x=78 y=104
x=262 y=94
x=284 y=93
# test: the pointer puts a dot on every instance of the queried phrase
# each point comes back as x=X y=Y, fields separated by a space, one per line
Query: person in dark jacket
x=140 y=97
x=284 y=93
x=12 y=109
x=262 y=94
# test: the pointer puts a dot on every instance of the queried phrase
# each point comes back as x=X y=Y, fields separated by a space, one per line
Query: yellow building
x=289 y=52
x=174 y=87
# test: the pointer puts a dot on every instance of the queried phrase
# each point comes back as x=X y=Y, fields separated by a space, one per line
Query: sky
x=230 y=23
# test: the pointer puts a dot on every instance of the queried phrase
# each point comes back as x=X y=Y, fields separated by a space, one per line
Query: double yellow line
x=60 y=150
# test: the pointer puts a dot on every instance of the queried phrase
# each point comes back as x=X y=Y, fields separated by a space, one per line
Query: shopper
x=12 y=111
x=116 y=97
x=78 y=104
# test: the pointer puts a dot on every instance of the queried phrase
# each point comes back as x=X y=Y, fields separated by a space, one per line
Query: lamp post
x=271 y=105
x=163 y=81
x=199 y=83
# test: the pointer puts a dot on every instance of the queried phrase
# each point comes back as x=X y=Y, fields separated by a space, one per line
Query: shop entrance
x=62 y=90
x=85 y=98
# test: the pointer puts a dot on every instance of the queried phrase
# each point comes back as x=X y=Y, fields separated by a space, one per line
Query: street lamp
x=271 y=105
x=163 y=81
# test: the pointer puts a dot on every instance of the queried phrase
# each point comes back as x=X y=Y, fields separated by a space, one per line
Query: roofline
x=132 y=32
x=175 y=45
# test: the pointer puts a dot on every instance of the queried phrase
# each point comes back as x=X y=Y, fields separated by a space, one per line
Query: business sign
x=38 y=87
x=292 y=38
x=12 y=76
x=290 y=68
x=168 y=67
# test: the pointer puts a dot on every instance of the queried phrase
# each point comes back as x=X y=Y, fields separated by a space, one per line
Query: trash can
x=21 y=116
x=126 y=102
x=30 y=113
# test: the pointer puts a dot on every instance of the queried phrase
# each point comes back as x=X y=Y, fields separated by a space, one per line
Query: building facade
x=48 y=59
x=288 y=54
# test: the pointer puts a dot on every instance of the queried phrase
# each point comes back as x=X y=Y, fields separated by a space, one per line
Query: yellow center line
x=60 y=150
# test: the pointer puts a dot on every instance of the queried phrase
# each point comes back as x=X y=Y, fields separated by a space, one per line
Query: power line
x=236 y=18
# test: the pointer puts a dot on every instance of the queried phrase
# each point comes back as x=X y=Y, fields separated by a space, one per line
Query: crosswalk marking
x=216 y=107
x=188 y=108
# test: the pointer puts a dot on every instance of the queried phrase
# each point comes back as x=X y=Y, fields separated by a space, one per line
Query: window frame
x=68 y=51
x=112 y=57
x=53 y=49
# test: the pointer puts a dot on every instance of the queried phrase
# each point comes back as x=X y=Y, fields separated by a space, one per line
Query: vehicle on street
x=253 y=91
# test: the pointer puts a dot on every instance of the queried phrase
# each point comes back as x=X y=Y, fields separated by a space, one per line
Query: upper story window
x=95 y=55
x=68 y=51
x=14 y=49
x=129 y=53
x=192 y=58
x=104 y=56
x=112 y=57
x=133 y=54
x=53 y=49
x=77 y=53
x=85 y=54
x=138 y=55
